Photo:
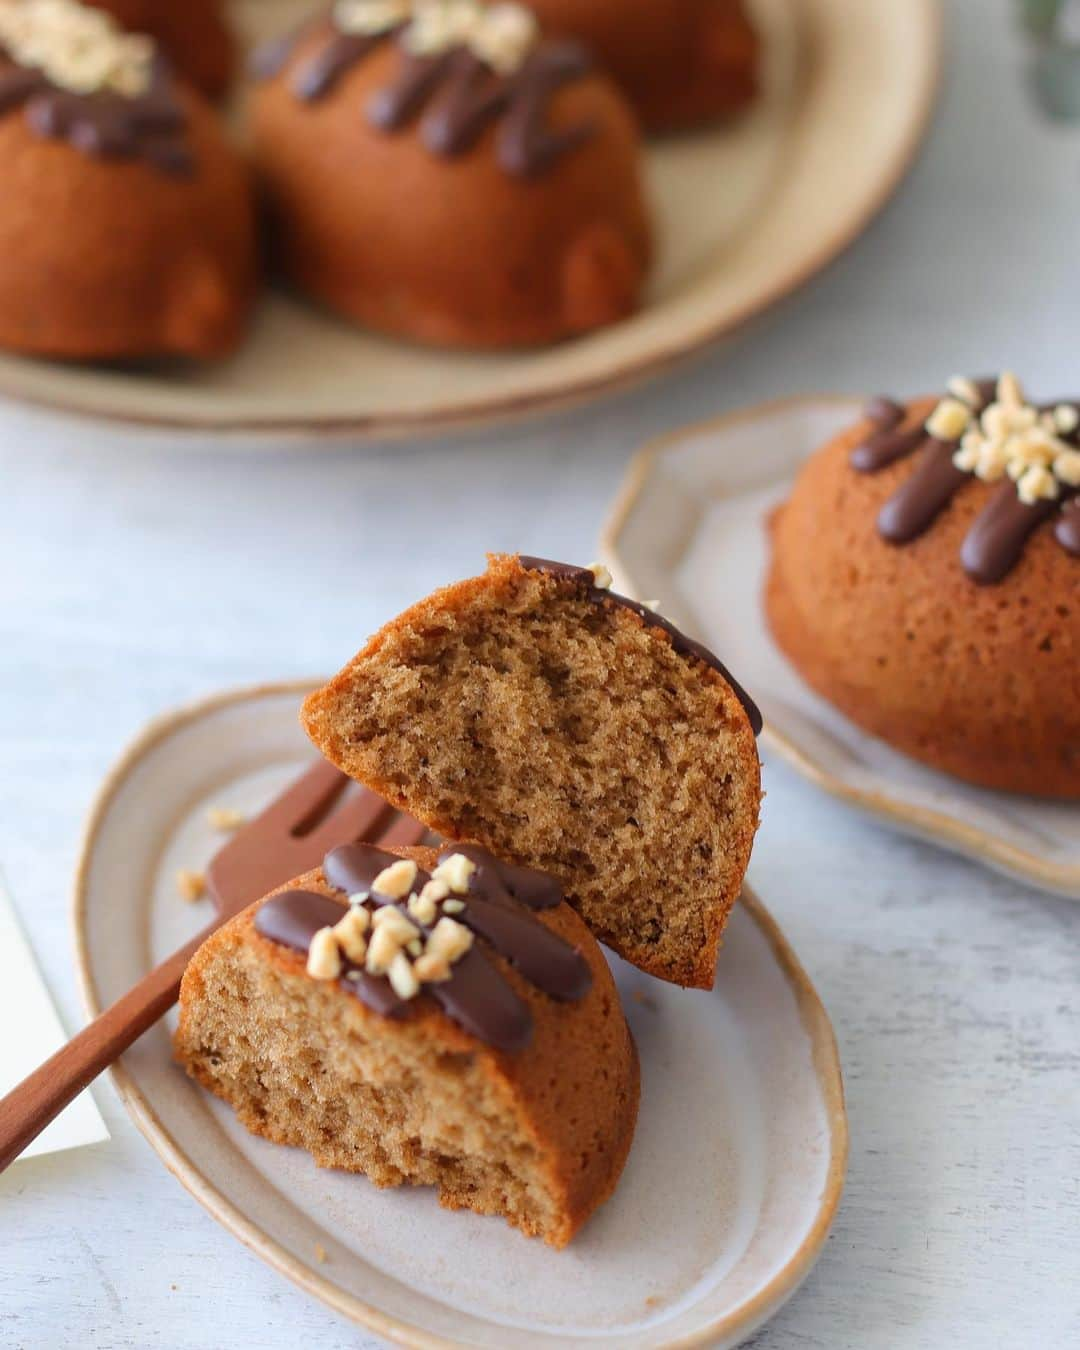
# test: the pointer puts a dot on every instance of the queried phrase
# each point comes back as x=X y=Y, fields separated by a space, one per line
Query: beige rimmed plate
x=744 y=216
x=688 y=528
x=731 y=1186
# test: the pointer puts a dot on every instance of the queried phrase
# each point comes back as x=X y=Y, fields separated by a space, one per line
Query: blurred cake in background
x=925 y=579
x=681 y=63
x=443 y=172
x=127 y=223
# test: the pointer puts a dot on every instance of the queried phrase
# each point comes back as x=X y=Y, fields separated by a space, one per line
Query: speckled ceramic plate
x=689 y=529
x=730 y=1188
x=744 y=216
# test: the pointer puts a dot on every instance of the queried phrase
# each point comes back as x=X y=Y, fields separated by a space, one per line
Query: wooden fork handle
x=38 y=1099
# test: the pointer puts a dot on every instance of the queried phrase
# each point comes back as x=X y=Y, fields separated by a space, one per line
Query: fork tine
x=360 y=815
x=311 y=790
x=403 y=830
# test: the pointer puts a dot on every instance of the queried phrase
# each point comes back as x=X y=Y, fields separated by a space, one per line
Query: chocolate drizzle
x=148 y=126
x=1067 y=530
x=581 y=576
x=498 y=909
x=995 y=542
x=463 y=96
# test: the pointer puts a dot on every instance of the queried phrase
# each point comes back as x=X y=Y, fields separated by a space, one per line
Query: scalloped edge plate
x=731 y=1187
x=849 y=93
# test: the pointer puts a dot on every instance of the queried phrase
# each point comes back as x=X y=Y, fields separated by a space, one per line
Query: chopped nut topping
x=191 y=885
x=324 y=959
x=1036 y=483
x=431 y=969
x=396 y=881
x=964 y=389
x=359 y=897
x=382 y=949
x=423 y=909
x=368 y=18
x=455 y=871
x=415 y=947
x=453 y=906
x=449 y=939
x=500 y=35
x=76 y=48
x=350 y=931
x=435 y=890
x=949 y=420
x=1011 y=437
x=601 y=575
x=402 y=980
x=225 y=819
x=392 y=921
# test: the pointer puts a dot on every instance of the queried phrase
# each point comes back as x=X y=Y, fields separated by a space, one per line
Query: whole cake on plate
x=443 y=172
x=925 y=579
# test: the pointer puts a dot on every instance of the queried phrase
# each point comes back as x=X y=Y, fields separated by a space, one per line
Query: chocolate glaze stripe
x=104 y=124
x=581 y=576
x=541 y=955
x=993 y=545
x=467 y=96
x=917 y=503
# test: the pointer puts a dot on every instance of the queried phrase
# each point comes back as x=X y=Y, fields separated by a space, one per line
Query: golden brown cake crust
x=979 y=681
x=105 y=258
x=192 y=33
x=454 y=250
x=680 y=62
x=585 y=745
x=573 y=1093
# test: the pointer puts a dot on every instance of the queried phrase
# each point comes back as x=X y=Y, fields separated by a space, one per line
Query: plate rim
x=739 y=1322
x=960 y=836
x=660 y=355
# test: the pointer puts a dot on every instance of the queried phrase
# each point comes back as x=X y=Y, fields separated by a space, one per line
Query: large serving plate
x=732 y=1182
x=689 y=529
x=744 y=215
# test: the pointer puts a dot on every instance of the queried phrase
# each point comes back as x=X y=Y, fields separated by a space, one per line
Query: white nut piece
x=949 y=420
x=602 y=578
x=382 y=949
x=392 y=921
x=449 y=939
x=324 y=958
x=965 y=389
x=395 y=881
x=368 y=18
x=1066 y=418
x=402 y=980
x=431 y=969
x=1009 y=389
x=423 y=909
x=1035 y=484
x=455 y=871
x=453 y=906
x=351 y=933
x=1067 y=467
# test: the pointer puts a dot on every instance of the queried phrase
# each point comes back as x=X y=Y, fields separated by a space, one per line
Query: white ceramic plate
x=744 y=216
x=689 y=529
x=731 y=1185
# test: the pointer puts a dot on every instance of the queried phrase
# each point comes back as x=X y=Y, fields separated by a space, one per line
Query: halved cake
x=424 y=1019
x=570 y=729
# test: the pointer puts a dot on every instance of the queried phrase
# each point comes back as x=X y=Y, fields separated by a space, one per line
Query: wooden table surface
x=134 y=575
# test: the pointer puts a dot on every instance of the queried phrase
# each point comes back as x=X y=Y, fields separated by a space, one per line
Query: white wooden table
x=130 y=581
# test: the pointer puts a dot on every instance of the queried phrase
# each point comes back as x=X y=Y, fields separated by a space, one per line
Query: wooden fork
x=317 y=813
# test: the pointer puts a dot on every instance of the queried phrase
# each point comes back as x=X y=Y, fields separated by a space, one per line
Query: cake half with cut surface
x=570 y=729
x=425 y=1020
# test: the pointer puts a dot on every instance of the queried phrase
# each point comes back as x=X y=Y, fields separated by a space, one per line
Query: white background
x=131 y=580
